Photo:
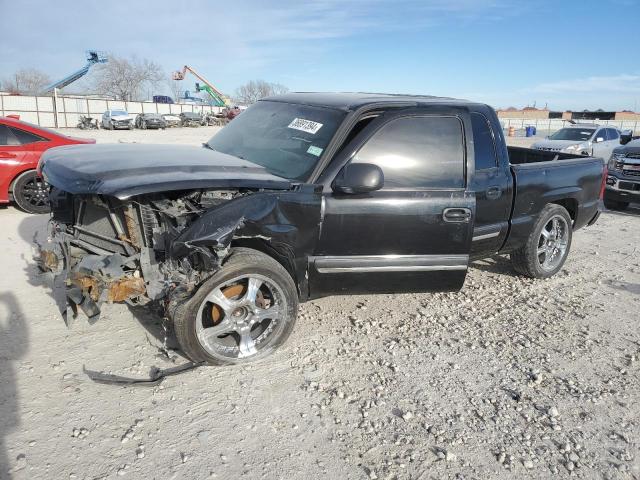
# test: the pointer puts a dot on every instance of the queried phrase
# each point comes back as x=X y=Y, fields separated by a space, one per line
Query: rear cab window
x=483 y=142
x=418 y=152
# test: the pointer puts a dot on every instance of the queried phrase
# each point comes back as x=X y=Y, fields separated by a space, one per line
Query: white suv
x=113 y=119
x=582 y=139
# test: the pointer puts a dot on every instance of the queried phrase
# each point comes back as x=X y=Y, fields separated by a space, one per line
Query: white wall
x=41 y=111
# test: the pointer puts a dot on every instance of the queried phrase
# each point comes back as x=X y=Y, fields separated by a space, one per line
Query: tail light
x=605 y=174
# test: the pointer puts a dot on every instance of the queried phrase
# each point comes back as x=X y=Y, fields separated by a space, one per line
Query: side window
x=25 y=137
x=613 y=134
x=602 y=133
x=483 y=144
x=418 y=152
x=7 y=137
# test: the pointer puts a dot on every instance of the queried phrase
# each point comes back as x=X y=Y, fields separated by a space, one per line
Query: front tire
x=31 y=193
x=243 y=313
x=548 y=245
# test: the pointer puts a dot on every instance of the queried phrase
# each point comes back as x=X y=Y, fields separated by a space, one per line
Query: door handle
x=7 y=155
x=493 y=193
x=456 y=215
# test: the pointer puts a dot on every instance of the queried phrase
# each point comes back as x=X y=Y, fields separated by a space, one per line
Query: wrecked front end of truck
x=115 y=238
x=112 y=250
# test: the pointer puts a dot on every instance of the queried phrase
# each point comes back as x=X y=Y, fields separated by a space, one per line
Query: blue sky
x=569 y=54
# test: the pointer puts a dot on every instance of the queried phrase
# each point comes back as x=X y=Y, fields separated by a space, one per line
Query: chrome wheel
x=240 y=317
x=553 y=243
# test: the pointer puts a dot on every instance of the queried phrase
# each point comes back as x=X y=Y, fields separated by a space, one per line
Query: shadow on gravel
x=13 y=345
x=632 y=211
x=151 y=320
x=499 y=264
x=633 y=288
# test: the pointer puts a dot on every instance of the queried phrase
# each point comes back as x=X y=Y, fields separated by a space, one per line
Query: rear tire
x=547 y=248
x=30 y=193
x=233 y=318
x=615 y=204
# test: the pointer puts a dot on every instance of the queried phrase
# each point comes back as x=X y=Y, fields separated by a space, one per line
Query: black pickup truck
x=302 y=196
x=623 y=181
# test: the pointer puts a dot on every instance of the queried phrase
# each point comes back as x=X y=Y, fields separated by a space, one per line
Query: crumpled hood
x=125 y=170
x=557 y=144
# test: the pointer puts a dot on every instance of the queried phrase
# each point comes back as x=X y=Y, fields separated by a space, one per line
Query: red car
x=21 y=145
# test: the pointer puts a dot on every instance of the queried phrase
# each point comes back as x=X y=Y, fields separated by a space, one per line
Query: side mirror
x=599 y=139
x=625 y=137
x=358 y=178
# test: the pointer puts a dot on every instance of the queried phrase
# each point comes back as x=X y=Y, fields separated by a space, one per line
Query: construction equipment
x=218 y=98
x=93 y=57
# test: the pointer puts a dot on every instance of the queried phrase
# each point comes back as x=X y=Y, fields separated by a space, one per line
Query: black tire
x=527 y=261
x=615 y=204
x=30 y=193
x=242 y=261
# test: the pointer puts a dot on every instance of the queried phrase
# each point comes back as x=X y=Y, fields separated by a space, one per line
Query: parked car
x=191 y=119
x=623 y=181
x=171 y=120
x=150 y=120
x=231 y=112
x=584 y=139
x=303 y=196
x=117 y=119
x=21 y=145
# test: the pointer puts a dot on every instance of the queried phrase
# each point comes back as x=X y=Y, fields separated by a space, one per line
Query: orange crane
x=216 y=94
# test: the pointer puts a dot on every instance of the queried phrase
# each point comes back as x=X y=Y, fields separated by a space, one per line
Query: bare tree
x=27 y=81
x=256 y=89
x=127 y=79
x=176 y=87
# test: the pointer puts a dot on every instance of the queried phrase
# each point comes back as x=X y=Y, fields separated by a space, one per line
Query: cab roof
x=352 y=101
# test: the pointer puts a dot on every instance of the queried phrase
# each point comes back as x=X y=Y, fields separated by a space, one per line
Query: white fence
x=548 y=125
x=65 y=111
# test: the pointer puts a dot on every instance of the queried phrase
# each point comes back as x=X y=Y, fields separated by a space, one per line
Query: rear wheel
x=31 y=193
x=243 y=313
x=615 y=204
x=548 y=245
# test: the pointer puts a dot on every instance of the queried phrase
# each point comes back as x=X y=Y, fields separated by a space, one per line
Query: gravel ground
x=509 y=378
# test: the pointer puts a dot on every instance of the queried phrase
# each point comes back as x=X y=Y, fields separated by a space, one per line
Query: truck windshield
x=286 y=139
x=581 y=134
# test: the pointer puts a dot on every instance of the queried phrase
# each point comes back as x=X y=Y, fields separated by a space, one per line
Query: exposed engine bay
x=112 y=250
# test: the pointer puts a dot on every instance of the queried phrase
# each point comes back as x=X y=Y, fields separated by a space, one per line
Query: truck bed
x=521 y=155
x=539 y=179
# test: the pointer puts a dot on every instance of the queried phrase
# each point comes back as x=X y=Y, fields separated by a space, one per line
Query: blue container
x=529 y=131
x=535 y=131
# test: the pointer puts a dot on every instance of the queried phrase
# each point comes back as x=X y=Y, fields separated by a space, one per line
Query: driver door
x=413 y=234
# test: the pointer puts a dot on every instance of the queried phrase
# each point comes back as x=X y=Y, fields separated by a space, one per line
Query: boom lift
x=93 y=57
x=219 y=99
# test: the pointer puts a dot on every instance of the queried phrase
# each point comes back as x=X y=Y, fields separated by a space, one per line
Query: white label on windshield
x=307 y=126
x=313 y=150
